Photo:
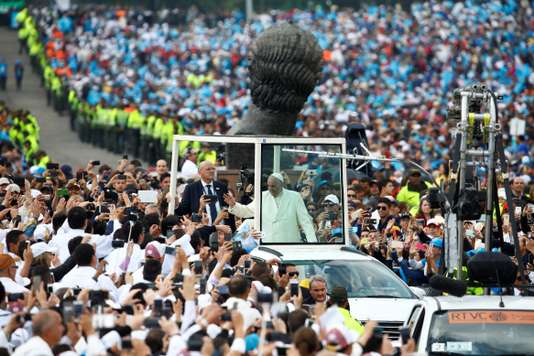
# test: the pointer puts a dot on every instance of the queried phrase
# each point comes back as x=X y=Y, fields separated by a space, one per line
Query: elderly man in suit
x=283 y=212
x=205 y=195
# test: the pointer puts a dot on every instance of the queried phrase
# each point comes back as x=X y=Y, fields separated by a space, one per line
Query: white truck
x=473 y=325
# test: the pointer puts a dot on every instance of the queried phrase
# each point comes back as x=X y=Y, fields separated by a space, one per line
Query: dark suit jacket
x=191 y=199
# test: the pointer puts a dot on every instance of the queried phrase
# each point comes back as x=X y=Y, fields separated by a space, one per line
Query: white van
x=375 y=292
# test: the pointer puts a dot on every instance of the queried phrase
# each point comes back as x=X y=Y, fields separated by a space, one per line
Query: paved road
x=57 y=139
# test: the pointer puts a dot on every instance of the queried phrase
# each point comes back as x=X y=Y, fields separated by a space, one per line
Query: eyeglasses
x=351 y=195
x=293 y=274
x=328 y=204
x=382 y=207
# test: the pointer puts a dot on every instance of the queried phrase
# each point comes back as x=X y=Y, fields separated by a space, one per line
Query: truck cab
x=473 y=325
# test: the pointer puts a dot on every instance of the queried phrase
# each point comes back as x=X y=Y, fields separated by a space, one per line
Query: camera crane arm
x=368 y=158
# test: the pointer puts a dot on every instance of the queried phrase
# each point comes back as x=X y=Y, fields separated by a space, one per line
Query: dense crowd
x=390 y=69
x=92 y=262
x=20 y=139
x=90 y=266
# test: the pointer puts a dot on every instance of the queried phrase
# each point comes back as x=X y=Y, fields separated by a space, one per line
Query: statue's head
x=285 y=65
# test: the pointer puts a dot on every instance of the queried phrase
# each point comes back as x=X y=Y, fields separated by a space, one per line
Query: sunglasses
x=293 y=274
x=351 y=195
x=382 y=207
x=328 y=204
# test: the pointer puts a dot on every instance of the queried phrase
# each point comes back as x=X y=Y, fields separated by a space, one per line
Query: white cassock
x=282 y=216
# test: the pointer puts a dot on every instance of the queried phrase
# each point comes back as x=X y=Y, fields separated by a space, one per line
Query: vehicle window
x=418 y=326
x=362 y=279
x=302 y=194
x=482 y=332
x=413 y=318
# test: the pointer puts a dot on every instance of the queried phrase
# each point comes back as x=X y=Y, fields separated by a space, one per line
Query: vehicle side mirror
x=419 y=292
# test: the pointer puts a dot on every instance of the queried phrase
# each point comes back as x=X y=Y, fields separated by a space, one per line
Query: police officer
x=19 y=73
x=3 y=74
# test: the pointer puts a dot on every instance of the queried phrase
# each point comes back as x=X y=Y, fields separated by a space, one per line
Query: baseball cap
x=414 y=172
x=338 y=338
x=405 y=216
x=421 y=246
x=433 y=221
x=40 y=247
x=438 y=243
x=37 y=171
x=4 y=181
x=6 y=261
x=41 y=231
x=152 y=250
x=13 y=188
x=332 y=198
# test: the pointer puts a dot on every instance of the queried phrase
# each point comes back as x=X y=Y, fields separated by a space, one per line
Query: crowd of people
x=20 y=139
x=392 y=70
x=92 y=265
x=407 y=230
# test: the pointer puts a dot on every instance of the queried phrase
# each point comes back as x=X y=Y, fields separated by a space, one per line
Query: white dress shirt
x=80 y=277
x=65 y=234
x=61 y=241
x=11 y=286
x=117 y=257
x=35 y=346
x=213 y=192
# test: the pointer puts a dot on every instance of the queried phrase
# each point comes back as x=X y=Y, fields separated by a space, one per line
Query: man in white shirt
x=189 y=167
x=8 y=270
x=83 y=275
x=75 y=226
x=77 y=220
x=13 y=239
x=119 y=260
x=47 y=332
x=283 y=212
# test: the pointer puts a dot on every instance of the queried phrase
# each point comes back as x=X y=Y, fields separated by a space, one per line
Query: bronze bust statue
x=285 y=65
